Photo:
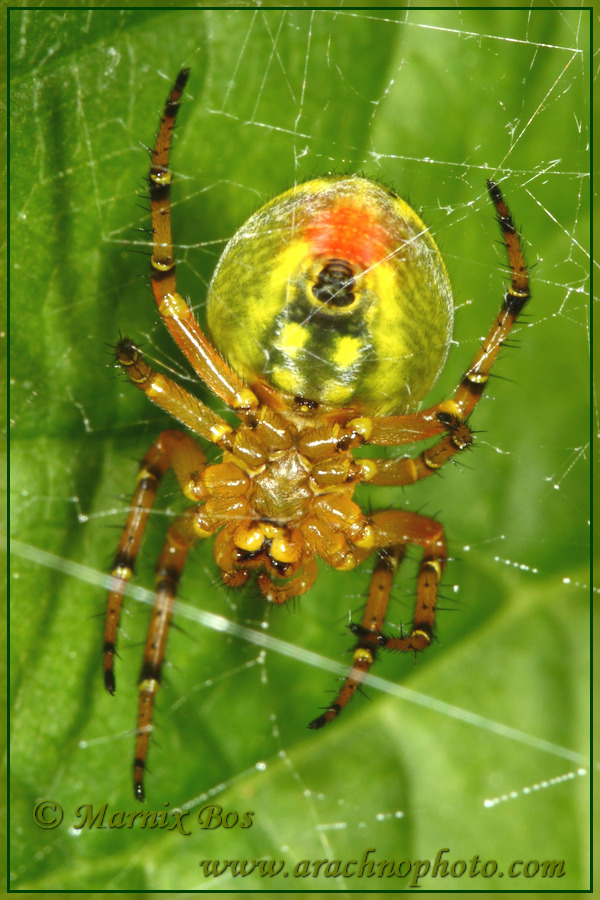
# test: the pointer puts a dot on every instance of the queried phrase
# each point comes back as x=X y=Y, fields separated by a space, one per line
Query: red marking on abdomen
x=349 y=232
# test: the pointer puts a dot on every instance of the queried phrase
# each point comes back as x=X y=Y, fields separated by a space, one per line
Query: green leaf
x=432 y=102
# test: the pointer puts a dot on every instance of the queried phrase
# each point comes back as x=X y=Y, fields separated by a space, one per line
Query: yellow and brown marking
x=340 y=323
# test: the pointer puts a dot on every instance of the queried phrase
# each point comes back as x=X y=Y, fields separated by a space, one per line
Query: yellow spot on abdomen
x=347 y=351
x=338 y=394
x=285 y=379
x=292 y=339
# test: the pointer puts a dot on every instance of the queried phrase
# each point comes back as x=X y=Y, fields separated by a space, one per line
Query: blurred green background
x=432 y=102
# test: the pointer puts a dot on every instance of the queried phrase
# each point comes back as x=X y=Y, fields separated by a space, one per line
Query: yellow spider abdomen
x=334 y=292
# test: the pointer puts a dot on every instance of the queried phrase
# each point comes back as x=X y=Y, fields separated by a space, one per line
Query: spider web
x=480 y=745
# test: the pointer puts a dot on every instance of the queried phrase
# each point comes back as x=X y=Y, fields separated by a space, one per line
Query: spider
x=330 y=314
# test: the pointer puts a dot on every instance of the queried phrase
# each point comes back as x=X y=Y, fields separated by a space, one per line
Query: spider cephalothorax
x=330 y=314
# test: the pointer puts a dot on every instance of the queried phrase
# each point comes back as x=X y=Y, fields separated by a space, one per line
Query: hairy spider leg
x=176 y=314
x=473 y=383
x=394 y=530
x=408 y=469
x=452 y=414
x=180 y=538
x=386 y=564
x=172 y=449
x=171 y=397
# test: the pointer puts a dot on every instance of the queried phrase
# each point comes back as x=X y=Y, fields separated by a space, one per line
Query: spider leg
x=171 y=397
x=171 y=449
x=176 y=314
x=372 y=622
x=179 y=540
x=451 y=414
x=474 y=380
x=408 y=469
x=394 y=530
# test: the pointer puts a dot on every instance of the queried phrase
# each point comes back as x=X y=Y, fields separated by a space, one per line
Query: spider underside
x=282 y=496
